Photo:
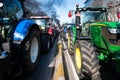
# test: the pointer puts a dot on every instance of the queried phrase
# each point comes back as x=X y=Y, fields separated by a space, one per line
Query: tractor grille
x=113 y=39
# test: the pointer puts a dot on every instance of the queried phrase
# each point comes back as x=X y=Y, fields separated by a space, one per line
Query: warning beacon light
x=70 y=14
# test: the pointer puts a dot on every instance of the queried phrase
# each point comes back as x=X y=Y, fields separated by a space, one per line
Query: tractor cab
x=44 y=23
x=85 y=16
x=93 y=15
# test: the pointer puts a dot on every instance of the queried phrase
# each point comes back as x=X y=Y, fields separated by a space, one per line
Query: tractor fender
x=22 y=30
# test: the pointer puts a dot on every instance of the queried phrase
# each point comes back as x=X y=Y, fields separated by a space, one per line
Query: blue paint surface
x=22 y=29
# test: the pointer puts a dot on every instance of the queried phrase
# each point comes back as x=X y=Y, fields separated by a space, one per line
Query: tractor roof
x=39 y=17
x=93 y=9
x=69 y=23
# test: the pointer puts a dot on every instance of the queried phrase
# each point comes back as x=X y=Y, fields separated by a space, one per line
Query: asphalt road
x=108 y=72
x=45 y=68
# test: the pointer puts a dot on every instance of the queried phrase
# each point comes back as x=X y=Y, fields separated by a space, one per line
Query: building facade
x=88 y=3
x=113 y=5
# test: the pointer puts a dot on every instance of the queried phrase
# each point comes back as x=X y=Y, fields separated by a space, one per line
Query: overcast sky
x=54 y=8
x=64 y=8
x=60 y=8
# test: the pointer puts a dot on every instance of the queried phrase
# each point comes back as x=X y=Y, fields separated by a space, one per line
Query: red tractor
x=48 y=31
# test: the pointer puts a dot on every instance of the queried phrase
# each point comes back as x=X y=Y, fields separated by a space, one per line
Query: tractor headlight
x=77 y=27
x=42 y=27
x=113 y=31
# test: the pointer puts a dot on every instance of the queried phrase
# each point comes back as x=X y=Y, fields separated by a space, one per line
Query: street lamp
x=70 y=14
x=77 y=14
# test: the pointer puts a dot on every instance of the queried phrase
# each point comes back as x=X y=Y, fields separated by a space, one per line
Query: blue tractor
x=19 y=40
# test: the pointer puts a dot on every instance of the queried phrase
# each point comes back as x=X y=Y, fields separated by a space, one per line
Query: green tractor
x=96 y=40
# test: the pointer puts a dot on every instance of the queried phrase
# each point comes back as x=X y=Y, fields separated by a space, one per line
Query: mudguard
x=22 y=29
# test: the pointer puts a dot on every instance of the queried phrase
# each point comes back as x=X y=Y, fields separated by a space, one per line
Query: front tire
x=85 y=61
x=30 y=51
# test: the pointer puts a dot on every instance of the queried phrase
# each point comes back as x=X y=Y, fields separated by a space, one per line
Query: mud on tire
x=87 y=64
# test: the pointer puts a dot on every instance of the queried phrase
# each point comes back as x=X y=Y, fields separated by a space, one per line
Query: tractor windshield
x=40 y=22
x=43 y=22
x=91 y=16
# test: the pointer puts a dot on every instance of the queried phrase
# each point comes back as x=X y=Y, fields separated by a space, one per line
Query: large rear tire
x=46 y=43
x=30 y=51
x=85 y=61
x=70 y=43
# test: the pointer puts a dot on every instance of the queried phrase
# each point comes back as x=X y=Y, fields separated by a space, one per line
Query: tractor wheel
x=46 y=43
x=85 y=61
x=70 y=43
x=30 y=54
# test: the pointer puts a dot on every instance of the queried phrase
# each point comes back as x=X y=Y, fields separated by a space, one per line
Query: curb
x=59 y=70
x=72 y=75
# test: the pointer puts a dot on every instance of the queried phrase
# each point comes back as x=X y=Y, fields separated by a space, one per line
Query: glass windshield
x=91 y=16
x=40 y=22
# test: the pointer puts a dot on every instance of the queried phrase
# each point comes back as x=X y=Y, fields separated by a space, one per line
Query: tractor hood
x=106 y=35
x=106 y=24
